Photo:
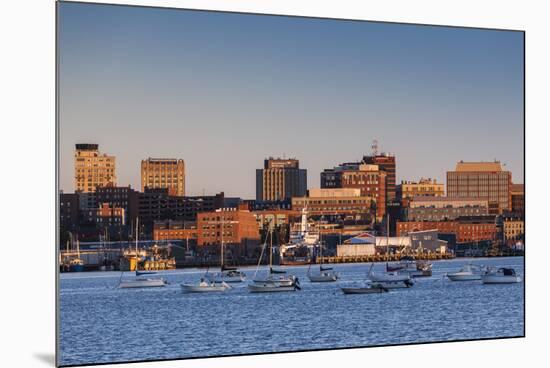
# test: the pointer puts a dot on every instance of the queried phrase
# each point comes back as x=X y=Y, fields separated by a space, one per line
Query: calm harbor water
x=100 y=323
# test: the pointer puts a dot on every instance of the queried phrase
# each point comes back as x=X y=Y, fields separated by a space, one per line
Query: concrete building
x=166 y=173
x=276 y=217
x=513 y=229
x=92 y=169
x=518 y=198
x=423 y=188
x=484 y=180
x=369 y=179
x=233 y=226
x=280 y=179
x=444 y=208
x=387 y=163
x=337 y=202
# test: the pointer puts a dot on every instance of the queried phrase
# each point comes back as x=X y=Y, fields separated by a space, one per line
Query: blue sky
x=223 y=91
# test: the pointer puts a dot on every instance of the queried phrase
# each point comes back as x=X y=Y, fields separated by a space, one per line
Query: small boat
x=205 y=287
x=468 y=272
x=226 y=274
x=76 y=265
x=276 y=280
x=140 y=282
x=326 y=274
x=367 y=288
x=500 y=276
x=411 y=266
x=391 y=280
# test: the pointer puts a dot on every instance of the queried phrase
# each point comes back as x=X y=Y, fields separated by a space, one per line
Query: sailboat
x=140 y=282
x=226 y=274
x=326 y=274
x=276 y=280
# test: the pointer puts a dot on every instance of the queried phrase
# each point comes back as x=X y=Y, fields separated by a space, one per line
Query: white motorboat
x=391 y=280
x=227 y=275
x=500 y=276
x=140 y=282
x=408 y=265
x=367 y=288
x=267 y=287
x=276 y=280
x=205 y=287
x=326 y=274
x=468 y=272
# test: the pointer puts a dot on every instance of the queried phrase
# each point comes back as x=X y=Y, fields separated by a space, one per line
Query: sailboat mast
x=270 y=246
x=137 y=235
x=221 y=245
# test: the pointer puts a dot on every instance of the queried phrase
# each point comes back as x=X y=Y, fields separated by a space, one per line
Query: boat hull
x=202 y=289
x=142 y=283
x=269 y=288
x=395 y=284
x=463 y=277
x=227 y=279
x=323 y=278
x=491 y=279
x=364 y=290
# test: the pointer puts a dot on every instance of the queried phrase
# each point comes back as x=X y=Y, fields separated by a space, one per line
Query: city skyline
x=128 y=84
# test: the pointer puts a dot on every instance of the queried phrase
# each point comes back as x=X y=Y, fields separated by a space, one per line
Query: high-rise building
x=484 y=180
x=370 y=179
x=166 y=173
x=92 y=169
x=386 y=162
x=280 y=179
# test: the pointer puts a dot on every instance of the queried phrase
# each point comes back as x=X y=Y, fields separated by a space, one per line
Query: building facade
x=466 y=229
x=337 y=202
x=280 y=179
x=484 y=180
x=444 y=208
x=166 y=173
x=158 y=205
x=513 y=229
x=423 y=188
x=387 y=163
x=369 y=179
x=120 y=197
x=518 y=198
x=175 y=230
x=92 y=169
x=232 y=226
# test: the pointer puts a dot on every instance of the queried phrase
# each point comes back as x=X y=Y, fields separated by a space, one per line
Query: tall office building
x=166 y=173
x=386 y=162
x=92 y=169
x=280 y=179
x=484 y=180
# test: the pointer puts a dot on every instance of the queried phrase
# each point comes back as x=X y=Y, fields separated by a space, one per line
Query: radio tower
x=374 y=148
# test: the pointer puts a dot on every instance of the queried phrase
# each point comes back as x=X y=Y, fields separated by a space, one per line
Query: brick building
x=232 y=226
x=92 y=169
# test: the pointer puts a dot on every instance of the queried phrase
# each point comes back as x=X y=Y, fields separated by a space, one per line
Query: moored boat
x=368 y=288
x=468 y=272
x=500 y=276
x=205 y=287
x=391 y=280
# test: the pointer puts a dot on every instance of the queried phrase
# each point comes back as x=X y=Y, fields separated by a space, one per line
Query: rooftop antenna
x=374 y=147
